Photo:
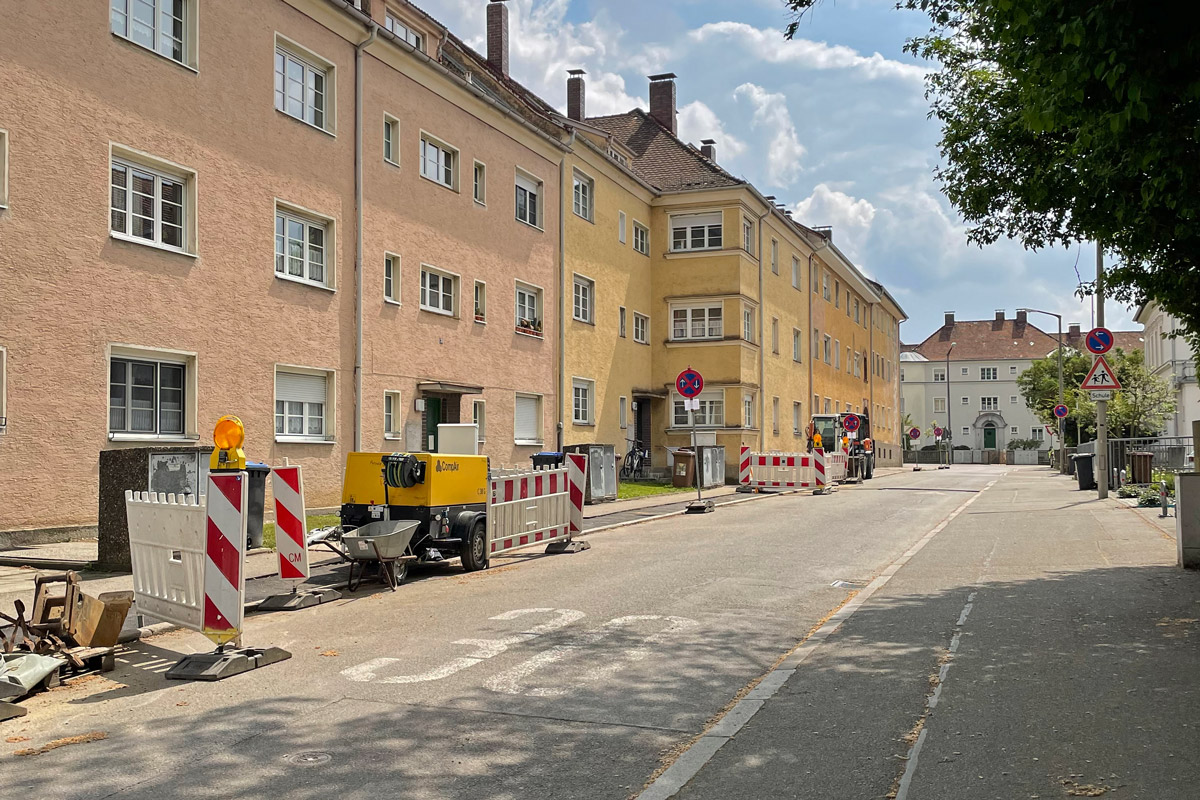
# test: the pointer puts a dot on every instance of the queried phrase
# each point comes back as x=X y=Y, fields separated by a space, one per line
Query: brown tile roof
x=976 y=340
x=659 y=157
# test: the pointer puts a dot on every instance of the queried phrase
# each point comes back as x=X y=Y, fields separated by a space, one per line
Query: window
x=837 y=353
x=775 y=256
x=827 y=353
x=641 y=328
x=584 y=298
x=527 y=427
x=837 y=294
x=696 y=232
x=902 y=376
x=989 y=403
x=618 y=157
x=438 y=290
x=479 y=417
x=479 y=188
x=857 y=312
x=816 y=403
x=1012 y=370
x=747 y=235
x=623 y=412
x=939 y=405
x=391 y=140
x=529 y=192
x=149 y=205
x=300 y=87
x=775 y=335
x=797 y=344
x=581 y=401
x=158 y=25
x=797 y=417
x=301 y=247
x=301 y=403
x=529 y=309
x=847 y=303
x=939 y=375
x=1037 y=433
x=858 y=364
x=966 y=401
x=391 y=278
x=641 y=238
x=748 y=410
x=146 y=397
x=696 y=322
x=1012 y=399
x=825 y=285
x=403 y=32
x=621 y=322
x=966 y=431
x=796 y=273
x=748 y=324
x=829 y=406
x=816 y=345
x=987 y=373
x=391 y=415
x=3 y=389
x=480 y=301
x=3 y=168
x=438 y=161
x=582 y=196
x=621 y=225
x=1014 y=431
x=812 y=277
x=711 y=412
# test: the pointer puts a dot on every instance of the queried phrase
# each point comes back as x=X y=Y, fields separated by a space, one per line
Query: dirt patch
x=1074 y=789
x=330 y=653
x=54 y=744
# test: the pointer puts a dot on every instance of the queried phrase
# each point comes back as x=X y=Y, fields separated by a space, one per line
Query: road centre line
x=704 y=747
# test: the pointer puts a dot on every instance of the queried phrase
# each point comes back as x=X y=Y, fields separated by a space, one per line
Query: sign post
x=690 y=384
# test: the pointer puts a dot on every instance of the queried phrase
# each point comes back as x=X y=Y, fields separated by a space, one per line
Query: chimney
x=825 y=231
x=949 y=319
x=708 y=149
x=1073 y=331
x=575 y=95
x=1022 y=317
x=999 y=315
x=497 y=35
x=662 y=99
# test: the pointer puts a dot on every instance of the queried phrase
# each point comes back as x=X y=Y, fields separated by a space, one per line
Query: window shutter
x=691 y=220
x=527 y=423
x=294 y=386
x=528 y=184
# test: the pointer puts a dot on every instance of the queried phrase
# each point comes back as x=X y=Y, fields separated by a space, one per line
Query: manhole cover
x=308 y=759
x=847 y=584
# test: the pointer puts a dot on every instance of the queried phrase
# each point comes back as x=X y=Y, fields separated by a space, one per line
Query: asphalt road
x=570 y=676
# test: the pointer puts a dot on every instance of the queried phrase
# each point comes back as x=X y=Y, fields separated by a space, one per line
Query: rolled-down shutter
x=528 y=419
x=296 y=386
x=527 y=183
x=692 y=220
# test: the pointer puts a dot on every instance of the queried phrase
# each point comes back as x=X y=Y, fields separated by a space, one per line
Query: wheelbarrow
x=383 y=543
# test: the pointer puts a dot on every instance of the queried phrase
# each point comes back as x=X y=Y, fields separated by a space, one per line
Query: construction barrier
x=776 y=470
x=287 y=485
x=166 y=548
x=836 y=466
x=532 y=506
x=225 y=556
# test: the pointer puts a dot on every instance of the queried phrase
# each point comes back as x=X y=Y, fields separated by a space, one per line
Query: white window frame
x=748 y=235
x=707 y=223
x=989 y=374
x=796 y=274
x=775 y=335
x=310 y=63
x=622 y=227
x=327 y=424
x=479 y=182
x=939 y=374
x=797 y=345
x=479 y=302
x=538 y=296
x=966 y=430
x=391 y=140
x=966 y=401
x=939 y=401
x=837 y=293
x=455 y=290
x=396 y=428
x=1037 y=432
x=748 y=324
x=827 y=349
x=710 y=415
x=825 y=285
x=403 y=31
x=436 y=157
x=622 y=411
x=641 y=328
x=1012 y=370
x=989 y=404
x=187 y=30
x=966 y=371
x=583 y=401
x=176 y=358
x=535 y=442
x=583 y=299
x=641 y=238
x=310 y=220
x=621 y=316
x=392 y=282
x=583 y=196
x=1014 y=430
x=797 y=417
x=1012 y=399
x=775 y=415
x=690 y=319
x=837 y=353
x=747 y=410
x=479 y=418
x=775 y=256
x=159 y=170
x=537 y=192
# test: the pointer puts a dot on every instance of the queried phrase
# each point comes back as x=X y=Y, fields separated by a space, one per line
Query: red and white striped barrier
x=776 y=470
x=576 y=475
x=225 y=554
x=543 y=505
x=287 y=485
x=744 y=470
x=836 y=464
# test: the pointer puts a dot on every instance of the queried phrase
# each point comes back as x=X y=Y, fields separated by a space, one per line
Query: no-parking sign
x=689 y=383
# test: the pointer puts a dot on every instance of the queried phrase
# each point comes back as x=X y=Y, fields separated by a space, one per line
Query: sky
x=833 y=123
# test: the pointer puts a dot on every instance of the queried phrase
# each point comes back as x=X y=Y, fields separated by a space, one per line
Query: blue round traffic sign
x=689 y=383
x=851 y=422
x=1099 y=341
x=1061 y=411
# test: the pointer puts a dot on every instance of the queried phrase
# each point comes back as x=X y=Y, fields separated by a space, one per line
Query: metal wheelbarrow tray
x=385 y=542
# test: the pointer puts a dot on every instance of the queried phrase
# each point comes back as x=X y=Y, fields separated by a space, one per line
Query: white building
x=1171 y=359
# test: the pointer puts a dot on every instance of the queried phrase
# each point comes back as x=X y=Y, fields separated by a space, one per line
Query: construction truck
x=832 y=434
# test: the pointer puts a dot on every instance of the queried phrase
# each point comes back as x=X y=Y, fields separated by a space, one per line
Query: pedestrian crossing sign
x=1100 y=377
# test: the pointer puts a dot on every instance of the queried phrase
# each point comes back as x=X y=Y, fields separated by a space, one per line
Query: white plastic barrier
x=835 y=465
x=776 y=470
x=166 y=547
x=532 y=506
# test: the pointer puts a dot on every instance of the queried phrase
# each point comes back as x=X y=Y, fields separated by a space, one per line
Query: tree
x=1145 y=401
x=906 y=424
x=1073 y=120
x=1039 y=388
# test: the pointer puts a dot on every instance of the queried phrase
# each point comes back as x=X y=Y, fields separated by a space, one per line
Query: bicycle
x=636 y=459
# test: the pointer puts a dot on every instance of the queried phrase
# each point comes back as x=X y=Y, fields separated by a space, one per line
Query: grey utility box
x=712 y=465
x=602 y=471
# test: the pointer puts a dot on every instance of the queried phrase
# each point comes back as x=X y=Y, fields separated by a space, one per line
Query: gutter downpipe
x=358 y=246
x=813 y=251
x=562 y=284
x=762 y=344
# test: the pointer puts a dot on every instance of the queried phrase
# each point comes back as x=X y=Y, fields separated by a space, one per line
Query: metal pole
x=695 y=450
x=949 y=437
x=1101 y=405
x=1062 y=426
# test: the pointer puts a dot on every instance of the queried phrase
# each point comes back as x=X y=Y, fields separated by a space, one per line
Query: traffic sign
x=1103 y=394
x=851 y=422
x=1061 y=411
x=938 y=432
x=914 y=433
x=1099 y=341
x=1100 y=377
x=1051 y=431
x=689 y=383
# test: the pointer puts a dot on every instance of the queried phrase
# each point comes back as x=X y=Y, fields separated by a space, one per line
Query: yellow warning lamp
x=816 y=440
x=228 y=436
x=845 y=441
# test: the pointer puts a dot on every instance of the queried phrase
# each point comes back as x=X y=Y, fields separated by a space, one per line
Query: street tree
x=1072 y=120
x=1145 y=401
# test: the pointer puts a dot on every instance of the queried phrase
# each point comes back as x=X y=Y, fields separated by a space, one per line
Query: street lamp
x=1061 y=423
x=949 y=420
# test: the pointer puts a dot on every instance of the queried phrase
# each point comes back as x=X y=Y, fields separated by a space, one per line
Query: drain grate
x=309 y=759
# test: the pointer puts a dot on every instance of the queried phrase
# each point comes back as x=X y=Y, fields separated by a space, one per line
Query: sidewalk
x=1041 y=645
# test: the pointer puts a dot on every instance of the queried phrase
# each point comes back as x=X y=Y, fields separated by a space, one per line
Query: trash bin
x=1084 y=470
x=547 y=458
x=683 y=473
x=1141 y=468
x=256 y=501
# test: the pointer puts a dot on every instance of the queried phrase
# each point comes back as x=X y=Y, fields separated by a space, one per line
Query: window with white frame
x=1014 y=431
x=391 y=139
x=147 y=396
x=162 y=26
x=797 y=417
x=816 y=403
x=710 y=414
x=583 y=299
x=939 y=375
x=775 y=335
x=641 y=238
x=812 y=277
x=439 y=161
x=966 y=431
x=404 y=32
x=623 y=412
x=582 y=391
x=621 y=227
x=966 y=401
x=641 y=328
x=301 y=247
x=775 y=256
x=480 y=301
x=847 y=303
x=583 y=196
x=696 y=231
x=391 y=278
x=1012 y=399
x=827 y=353
x=527 y=423
x=816 y=344
x=529 y=191
x=479 y=417
x=150 y=204
x=529 y=309
x=748 y=324
x=987 y=373
x=1037 y=433
x=775 y=415
x=939 y=405
x=858 y=357
x=966 y=371
x=621 y=322
x=1012 y=370
x=301 y=405
x=748 y=410
x=797 y=344
x=825 y=285
x=439 y=291
x=391 y=415
x=696 y=322
x=837 y=294
x=829 y=406
x=3 y=389
x=747 y=235
x=989 y=403
x=302 y=85
x=479 y=188
x=849 y=359
x=857 y=311
x=837 y=353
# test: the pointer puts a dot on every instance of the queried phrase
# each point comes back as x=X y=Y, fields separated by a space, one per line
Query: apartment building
x=1171 y=358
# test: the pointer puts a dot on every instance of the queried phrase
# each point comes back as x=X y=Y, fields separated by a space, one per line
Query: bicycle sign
x=1099 y=341
x=689 y=383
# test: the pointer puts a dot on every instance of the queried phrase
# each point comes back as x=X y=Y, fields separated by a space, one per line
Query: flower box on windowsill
x=480 y=318
x=529 y=331
x=529 y=327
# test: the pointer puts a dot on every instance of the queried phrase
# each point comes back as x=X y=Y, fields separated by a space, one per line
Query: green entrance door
x=989 y=437
x=433 y=416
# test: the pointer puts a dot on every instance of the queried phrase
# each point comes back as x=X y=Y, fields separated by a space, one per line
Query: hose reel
x=403 y=470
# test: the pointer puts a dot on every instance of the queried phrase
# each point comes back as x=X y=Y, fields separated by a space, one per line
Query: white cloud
x=697 y=121
x=851 y=218
x=784 y=151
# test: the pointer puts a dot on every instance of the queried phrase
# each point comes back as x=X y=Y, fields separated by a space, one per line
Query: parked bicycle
x=636 y=461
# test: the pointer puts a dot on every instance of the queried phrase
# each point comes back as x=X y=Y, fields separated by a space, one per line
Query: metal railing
x=1168 y=454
